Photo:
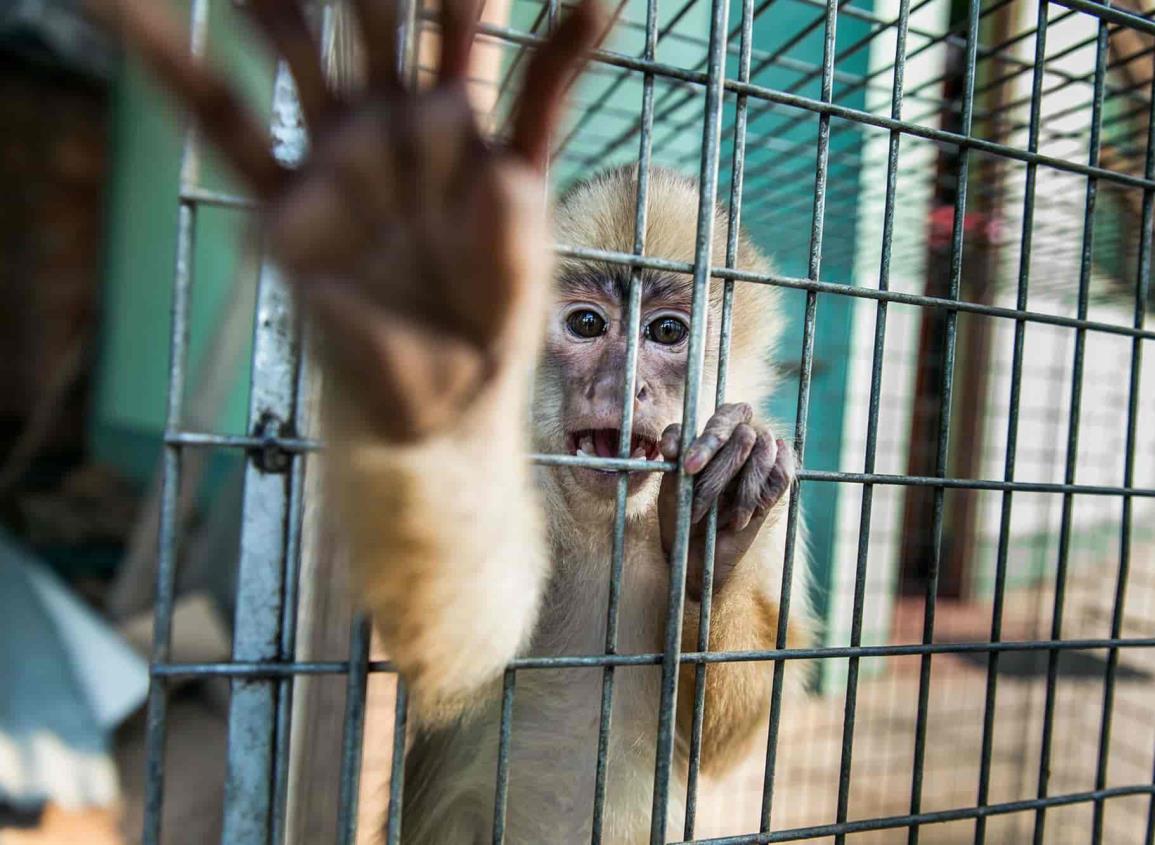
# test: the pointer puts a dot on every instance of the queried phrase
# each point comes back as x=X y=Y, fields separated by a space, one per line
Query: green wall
x=129 y=409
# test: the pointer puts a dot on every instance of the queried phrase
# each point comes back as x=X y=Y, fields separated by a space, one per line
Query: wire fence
x=960 y=198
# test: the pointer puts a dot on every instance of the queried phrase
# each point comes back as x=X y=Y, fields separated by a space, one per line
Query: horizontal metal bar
x=974 y=483
x=269 y=669
x=938 y=816
x=631 y=464
x=844 y=289
x=202 y=196
x=642 y=465
x=297 y=444
x=820 y=107
x=241 y=441
x=721 y=272
x=1111 y=14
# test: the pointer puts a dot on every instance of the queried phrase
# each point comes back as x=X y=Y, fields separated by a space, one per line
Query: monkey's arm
x=742 y=467
x=447 y=545
x=420 y=251
x=744 y=617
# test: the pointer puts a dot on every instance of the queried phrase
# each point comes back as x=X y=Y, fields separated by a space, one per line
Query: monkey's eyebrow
x=600 y=280
x=675 y=288
x=613 y=281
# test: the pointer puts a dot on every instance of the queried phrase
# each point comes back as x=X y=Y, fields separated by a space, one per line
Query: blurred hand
x=419 y=249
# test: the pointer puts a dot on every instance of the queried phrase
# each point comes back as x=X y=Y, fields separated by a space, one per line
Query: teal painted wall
x=778 y=194
x=132 y=383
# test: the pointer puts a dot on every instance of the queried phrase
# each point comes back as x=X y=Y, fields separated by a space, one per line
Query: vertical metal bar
x=1149 y=839
x=1025 y=244
x=408 y=46
x=1072 y=430
x=708 y=190
x=629 y=388
x=733 y=235
x=942 y=449
x=264 y=521
x=501 y=793
x=281 y=753
x=356 y=684
x=803 y=411
x=870 y=454
x=289 y=622
x=397 y=764
x=170 y=528
x=1142 y=291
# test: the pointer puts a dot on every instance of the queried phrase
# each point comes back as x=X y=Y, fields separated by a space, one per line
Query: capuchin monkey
x=422 y=253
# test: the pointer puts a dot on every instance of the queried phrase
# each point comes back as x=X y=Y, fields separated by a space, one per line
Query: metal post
x=265 y=520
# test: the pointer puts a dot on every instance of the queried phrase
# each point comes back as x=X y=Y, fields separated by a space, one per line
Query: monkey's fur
x=469 y=556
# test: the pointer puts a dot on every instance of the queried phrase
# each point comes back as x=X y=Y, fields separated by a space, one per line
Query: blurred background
x=93 y=182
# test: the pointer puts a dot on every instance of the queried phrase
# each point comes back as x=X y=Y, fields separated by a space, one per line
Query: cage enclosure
x=958 y=198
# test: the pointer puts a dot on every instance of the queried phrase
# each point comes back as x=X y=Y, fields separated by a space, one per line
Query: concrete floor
x=807 y=772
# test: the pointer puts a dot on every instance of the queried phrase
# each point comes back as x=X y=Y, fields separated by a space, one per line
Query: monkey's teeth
x=586 y=445
x=639 y=453
x=582 y=453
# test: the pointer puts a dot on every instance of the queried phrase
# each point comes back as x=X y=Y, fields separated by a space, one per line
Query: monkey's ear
x=411 y=381
x=553 y=67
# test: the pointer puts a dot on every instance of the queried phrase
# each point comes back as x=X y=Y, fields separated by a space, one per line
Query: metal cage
x=995 y=210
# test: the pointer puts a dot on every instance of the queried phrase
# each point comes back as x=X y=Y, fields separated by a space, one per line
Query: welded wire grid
x=959 y=200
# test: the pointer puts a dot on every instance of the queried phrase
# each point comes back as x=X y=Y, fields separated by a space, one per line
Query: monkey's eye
x=586 y=323
x=667 y=331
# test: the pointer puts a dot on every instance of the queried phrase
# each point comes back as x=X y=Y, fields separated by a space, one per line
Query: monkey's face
x=585 y=365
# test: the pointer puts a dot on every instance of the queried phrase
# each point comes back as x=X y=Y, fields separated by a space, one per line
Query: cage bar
x=1012 y=422
x=773 y=151
x=708 y=186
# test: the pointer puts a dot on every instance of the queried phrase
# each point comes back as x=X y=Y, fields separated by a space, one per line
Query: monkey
x=422 y=253
x=740 y=464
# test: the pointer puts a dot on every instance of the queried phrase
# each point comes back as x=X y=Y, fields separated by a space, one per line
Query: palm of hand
x=411 y=240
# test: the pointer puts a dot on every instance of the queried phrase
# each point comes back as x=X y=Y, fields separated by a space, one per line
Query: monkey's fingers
x=552 y=68
x=220 y=113
x=751 y=484
x=715 y=435
x=781 y=476
x=458 y=24
x=668 y=444
x=722 y=470
x=378 y=20
x=287 y=30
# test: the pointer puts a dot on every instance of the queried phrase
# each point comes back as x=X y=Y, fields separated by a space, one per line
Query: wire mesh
x=959 y=200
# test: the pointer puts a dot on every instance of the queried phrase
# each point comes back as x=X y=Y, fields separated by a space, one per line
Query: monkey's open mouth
x=603 y=443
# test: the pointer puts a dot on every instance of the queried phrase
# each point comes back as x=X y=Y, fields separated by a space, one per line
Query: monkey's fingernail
x=696 y=458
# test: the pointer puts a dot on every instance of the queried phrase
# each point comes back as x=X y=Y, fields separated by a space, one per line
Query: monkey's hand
x=419 y=249
x=739 y=464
